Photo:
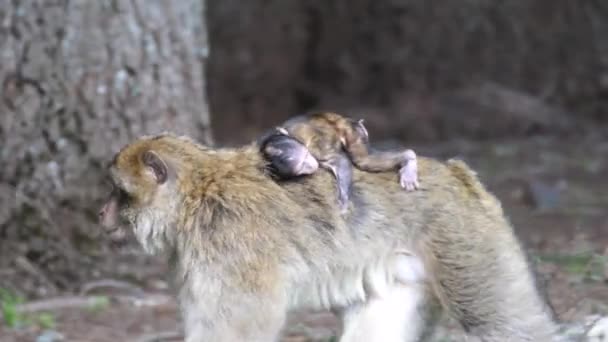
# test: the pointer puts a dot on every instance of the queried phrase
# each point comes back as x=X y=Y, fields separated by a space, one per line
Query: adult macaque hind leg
x=393 y=309
x=393 y=317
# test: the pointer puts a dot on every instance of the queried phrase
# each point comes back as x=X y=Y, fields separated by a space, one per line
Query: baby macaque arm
x=288 y=156
x=340 y=165
x=356 y=143
x=408 y=174
x=378 y=161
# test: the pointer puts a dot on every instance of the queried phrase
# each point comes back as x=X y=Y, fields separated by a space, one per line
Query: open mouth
x=116 y=234
x=112 y=230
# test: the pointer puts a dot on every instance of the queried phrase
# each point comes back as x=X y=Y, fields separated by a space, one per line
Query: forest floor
x=553 y=190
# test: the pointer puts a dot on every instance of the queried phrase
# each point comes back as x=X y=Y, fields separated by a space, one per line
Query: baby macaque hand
x=408 y=174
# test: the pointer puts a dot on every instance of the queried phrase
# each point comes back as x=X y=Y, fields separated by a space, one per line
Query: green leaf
x=46 y=320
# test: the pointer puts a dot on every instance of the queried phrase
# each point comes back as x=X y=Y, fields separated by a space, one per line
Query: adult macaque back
x=246 y=248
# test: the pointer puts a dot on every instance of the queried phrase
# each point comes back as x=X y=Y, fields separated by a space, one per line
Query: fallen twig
x=162 y=336
x=57 y=304
x=111 y=283
x=145 y=300
x=82 y=302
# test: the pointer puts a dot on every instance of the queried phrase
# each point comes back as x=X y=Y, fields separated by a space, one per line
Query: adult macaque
x=336 y=142
x=245 y=248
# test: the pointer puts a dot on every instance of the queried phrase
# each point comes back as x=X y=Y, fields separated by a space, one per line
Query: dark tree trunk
x=78 y=80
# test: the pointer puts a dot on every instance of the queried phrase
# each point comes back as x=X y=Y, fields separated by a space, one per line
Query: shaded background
x=400 y=63
x=518 y=89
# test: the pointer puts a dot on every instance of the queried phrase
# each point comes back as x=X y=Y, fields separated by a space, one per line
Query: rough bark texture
x=78 y=80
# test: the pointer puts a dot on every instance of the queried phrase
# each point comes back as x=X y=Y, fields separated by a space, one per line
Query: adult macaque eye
x=122 y=196
x=108 y=183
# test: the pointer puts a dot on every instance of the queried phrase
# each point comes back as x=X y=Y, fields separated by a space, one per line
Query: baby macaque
x=326 y=139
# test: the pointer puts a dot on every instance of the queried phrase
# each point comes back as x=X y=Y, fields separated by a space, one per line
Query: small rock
x=50 y=336
x=599 y=331
x=541 y=195
x=158 y=284
x=605 y=256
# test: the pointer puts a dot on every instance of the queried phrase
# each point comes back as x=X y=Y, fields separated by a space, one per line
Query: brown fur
x=246 y=248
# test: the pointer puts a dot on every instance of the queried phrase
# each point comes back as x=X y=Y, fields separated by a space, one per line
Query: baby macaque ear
x=361 y=129
x=158 y=167
x=282 y=130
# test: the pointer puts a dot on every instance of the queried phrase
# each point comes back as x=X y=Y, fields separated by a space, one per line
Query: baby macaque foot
x=408 y=174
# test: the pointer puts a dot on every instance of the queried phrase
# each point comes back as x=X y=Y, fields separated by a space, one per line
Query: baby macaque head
x=288 y=156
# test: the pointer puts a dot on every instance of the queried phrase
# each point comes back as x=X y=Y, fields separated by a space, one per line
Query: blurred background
x=518 y=89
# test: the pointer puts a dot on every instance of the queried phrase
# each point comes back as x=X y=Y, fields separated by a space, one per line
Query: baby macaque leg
x=340 y=165
x=408 y=174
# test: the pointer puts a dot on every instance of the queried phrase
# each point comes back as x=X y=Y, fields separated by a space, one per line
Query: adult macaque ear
x=156 y=165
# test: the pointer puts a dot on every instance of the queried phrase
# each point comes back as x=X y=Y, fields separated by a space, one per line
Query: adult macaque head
x=138 y=182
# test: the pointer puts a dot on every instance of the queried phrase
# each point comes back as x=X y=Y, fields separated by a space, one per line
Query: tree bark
x=79 y=79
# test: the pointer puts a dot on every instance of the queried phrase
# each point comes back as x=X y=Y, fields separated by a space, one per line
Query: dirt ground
x=553 y=190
